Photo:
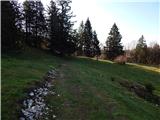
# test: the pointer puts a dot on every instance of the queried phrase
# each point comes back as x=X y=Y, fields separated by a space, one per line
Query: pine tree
x=54 y=27
x=60 y=27
x=141 y=43
x=95 y=45
x=80 y=39
x=87 y=38
x=11 y=26
x=29 y=14
x=67 y=45
x=35 y=22
x=18 y=15
x=141 y=50
x=40 y=28
x=113 y=45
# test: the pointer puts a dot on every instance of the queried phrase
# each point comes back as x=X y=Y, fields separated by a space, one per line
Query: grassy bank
x=84 y=85
x=19 y=73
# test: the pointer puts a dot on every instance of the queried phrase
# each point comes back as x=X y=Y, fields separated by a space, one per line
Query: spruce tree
x=67 y=45
x=11 y=26
x=54 y=27
x=141 y=50
x=40 y=28
x=87 y=38
x=141 y=43
x=80 y=39
x=60 y=27
x=113 y=45
x=95 y=45
x=29 y=15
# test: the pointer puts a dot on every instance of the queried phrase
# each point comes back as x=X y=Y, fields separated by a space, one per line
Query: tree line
x=33 y=25
x=144 y=54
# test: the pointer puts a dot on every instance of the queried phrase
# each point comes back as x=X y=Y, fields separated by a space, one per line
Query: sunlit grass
x=155 y=69
x=145 y=67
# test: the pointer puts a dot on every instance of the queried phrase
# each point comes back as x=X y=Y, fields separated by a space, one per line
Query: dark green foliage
x=141 y=50
x=113 y=45
x=35 y=23
x=87 y=41
x=60 y=27
x=140 y=53
x=40 y=29
x=29 y=14
x=11 y=26
x=95 y=45
x=87 y=38
x=141 y=43
x=53 y=26
x=67 y=46
x=80 y=39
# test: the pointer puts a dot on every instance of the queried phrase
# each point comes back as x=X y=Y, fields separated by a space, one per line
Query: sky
x=133 y=18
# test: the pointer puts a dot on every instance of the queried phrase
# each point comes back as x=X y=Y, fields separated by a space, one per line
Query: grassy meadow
x=84 y=85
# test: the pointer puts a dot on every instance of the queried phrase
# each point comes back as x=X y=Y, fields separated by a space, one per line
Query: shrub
x=149 y=87
x=120 y=59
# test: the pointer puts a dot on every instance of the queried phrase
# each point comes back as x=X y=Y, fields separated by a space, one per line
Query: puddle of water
x=34 y=106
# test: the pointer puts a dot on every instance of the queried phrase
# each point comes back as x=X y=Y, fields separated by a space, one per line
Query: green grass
x=19 y=73
x=85 y=87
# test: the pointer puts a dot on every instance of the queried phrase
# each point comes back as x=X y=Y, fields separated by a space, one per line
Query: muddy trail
x=34 y=106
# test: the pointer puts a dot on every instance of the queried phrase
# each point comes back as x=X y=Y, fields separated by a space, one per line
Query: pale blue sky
x=142 y=15
x=135 y=18
x=132 y=18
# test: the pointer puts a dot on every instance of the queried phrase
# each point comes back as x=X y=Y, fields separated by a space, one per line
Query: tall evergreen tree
x=141 y=43
x=18 y=15
x=141 y=50
x=113 y=45
x=35 y=23
x=87 y=38
x=11 y=26
x=39 y=29
x=95 y=45
x=60 y=27
x=29 y=14
x=80 y=39
x=67 y=46
x=54 y=27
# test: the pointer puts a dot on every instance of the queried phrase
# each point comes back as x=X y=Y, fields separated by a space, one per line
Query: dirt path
x=77 y=98
x=69 y=100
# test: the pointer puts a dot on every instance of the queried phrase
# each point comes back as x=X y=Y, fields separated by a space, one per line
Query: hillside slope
x=88 y=89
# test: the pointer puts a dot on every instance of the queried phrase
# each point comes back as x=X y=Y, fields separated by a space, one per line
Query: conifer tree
x=80 y=39
x=95 y=45
x=87 y=38
x=53 y=27
x=29 y=15
x=35 y=23
x=39 y=29
x=113 y=45
x=11 y=26
x=67 y=46
x=141 y=43
x=141 y=50
x=60 y=27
